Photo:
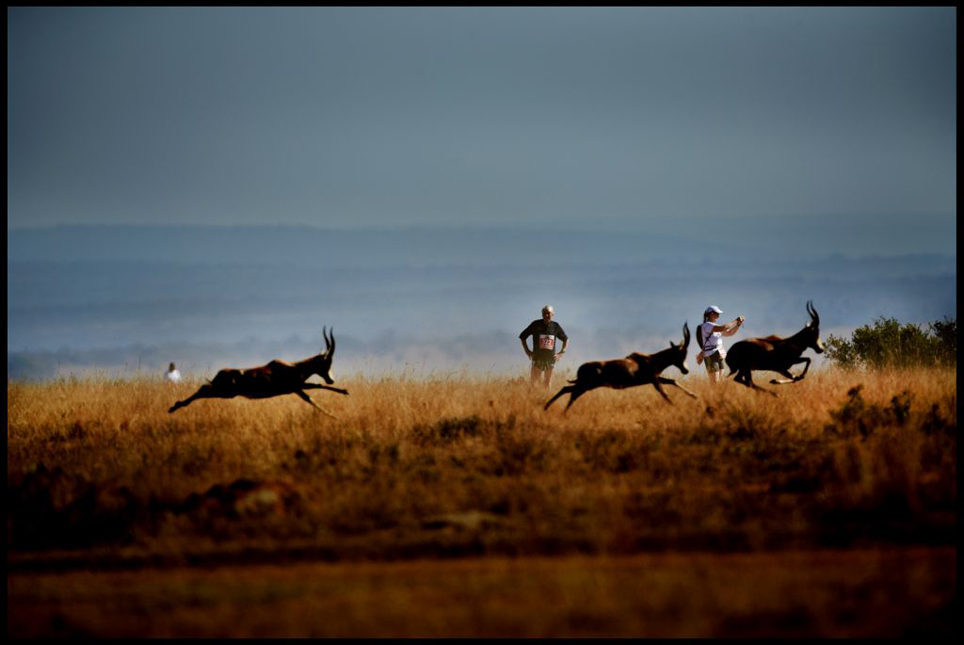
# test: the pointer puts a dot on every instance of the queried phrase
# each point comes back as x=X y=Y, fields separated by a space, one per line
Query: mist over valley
x=130 y=300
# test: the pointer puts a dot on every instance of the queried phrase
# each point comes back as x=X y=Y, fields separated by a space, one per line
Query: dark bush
x=889 y=344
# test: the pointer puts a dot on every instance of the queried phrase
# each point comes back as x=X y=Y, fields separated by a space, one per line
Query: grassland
x=101 y=477
x=868 y=592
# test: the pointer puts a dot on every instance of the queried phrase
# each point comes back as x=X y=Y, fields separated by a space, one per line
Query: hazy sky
x=482 y=116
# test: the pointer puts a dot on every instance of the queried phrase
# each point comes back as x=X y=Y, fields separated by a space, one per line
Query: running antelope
x=635 y=369
x=775 y=354
x=274 y=379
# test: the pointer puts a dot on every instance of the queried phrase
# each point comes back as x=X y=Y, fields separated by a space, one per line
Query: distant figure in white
x=710 y=337
x=172 y=375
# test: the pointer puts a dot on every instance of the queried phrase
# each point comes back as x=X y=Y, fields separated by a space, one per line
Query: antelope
x=775 y=354
x=635 y=369
x=274 y=379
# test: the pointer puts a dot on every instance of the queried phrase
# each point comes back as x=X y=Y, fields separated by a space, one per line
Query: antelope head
x=321 y=364
x=679 y=355
x=813 y=327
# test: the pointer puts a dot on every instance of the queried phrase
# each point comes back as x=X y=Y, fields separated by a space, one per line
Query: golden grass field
x=456 y=505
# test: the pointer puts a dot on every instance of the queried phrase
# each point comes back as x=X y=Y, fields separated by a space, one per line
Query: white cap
x=712 y=309
x=549 y=309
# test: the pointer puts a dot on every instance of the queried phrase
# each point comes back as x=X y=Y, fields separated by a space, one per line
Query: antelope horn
x=324 y=333
x=331 y=333
x=686 y=334
x=814 y=314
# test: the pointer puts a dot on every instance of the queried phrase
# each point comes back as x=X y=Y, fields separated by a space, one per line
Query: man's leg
x=534 y=374
x=548 y=377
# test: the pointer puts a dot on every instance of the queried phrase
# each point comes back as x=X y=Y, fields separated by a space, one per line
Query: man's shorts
x=714 y=362
x=544 y=364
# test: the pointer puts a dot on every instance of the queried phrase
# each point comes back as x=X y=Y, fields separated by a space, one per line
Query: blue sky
x=692 y=120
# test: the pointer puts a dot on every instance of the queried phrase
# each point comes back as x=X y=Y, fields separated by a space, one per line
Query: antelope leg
x=572 y=398
x=203 y=392
x=669 y=381
x=791 y=377
x=659 y=388
x=566 y=389
x=307 y=398
x=748 y=381
x=318 y=386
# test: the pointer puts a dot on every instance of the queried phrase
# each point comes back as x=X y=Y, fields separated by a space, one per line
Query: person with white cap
x=543 y=354
x=710 y=337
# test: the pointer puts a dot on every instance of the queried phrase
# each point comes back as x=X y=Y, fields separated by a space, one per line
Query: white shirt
x=173 y=376
x=712 y=340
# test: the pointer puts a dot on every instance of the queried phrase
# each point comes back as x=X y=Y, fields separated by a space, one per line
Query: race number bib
x=547 y=342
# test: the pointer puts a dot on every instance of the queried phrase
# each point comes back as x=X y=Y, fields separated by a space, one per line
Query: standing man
x=172 y=375
x=543 y=355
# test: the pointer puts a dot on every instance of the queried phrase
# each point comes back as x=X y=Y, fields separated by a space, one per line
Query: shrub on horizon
x=889 y=344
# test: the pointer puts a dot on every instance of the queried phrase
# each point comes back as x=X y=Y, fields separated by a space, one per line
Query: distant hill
x=602 y=239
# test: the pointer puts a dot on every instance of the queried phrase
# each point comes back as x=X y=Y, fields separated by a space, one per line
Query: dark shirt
x=544 y=338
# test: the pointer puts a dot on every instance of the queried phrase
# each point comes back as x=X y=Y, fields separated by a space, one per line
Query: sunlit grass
x=622 y=471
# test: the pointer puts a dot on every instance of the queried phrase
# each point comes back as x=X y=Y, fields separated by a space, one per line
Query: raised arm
x=731 y=327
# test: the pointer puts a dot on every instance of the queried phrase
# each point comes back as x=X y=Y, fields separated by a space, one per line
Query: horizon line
x=614 y=223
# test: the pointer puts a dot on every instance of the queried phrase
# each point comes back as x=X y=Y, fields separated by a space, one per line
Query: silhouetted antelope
x=775 y=354
x=635 y=369
x=274 y=379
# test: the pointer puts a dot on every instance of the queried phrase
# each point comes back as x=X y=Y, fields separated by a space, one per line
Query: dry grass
x=707 y=518
x=881 y=593
x=462 y=465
